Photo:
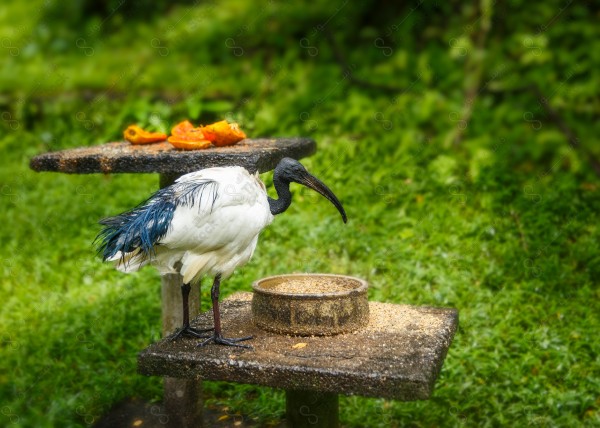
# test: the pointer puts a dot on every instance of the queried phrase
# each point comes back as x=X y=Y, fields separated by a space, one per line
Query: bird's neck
x=282 y=187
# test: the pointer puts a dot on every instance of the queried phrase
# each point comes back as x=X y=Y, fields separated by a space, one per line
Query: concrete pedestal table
x=398 y=356
x=183 y=398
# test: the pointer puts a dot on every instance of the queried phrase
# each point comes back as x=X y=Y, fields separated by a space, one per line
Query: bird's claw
x=191 y=332
x=220 y=340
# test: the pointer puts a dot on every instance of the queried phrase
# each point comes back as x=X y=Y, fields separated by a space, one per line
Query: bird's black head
x=290 y=170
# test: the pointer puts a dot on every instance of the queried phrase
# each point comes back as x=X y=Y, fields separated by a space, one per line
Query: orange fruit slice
x=188 y=144
x=136 y=135
x=223 y=133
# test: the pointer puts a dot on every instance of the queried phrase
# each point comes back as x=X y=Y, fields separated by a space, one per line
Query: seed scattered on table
x=312 y=285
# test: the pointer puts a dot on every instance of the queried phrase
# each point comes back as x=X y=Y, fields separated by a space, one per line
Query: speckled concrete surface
x=398 y=355
x=260 y=154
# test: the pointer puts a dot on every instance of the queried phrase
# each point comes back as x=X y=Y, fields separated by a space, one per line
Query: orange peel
x=223 y=133
x=183 y=128
x=136 y=135
x=187 y=144
x=187 y=137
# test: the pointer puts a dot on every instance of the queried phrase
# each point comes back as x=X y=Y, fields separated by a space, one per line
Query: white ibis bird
x=206 y=223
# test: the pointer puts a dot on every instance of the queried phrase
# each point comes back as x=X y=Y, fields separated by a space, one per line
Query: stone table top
x=398 y=355
x=258 y=154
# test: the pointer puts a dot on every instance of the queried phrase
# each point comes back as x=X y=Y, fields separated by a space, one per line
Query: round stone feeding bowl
x=312 y=304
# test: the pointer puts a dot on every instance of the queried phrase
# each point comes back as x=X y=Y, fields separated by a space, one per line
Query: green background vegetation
x=461 y=138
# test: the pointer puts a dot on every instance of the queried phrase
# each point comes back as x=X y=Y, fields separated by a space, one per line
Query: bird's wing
x=137 y=231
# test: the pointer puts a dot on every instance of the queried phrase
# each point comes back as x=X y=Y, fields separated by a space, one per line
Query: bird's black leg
x=186 y=330
x=217 y=337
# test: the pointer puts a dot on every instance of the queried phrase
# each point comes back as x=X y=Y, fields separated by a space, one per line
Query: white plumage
x=208 y=237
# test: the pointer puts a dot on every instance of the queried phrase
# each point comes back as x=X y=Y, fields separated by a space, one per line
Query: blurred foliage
x=461 y=137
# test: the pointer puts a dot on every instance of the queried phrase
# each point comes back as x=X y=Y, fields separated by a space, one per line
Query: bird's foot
x=220 y=340
x=192 y=332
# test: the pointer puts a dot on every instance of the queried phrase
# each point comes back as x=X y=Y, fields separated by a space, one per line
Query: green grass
x=502 y=225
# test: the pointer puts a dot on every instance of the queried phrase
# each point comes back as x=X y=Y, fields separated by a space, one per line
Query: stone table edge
x=247 y=375
x=298 y=147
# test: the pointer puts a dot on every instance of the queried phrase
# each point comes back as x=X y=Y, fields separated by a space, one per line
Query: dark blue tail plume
x=138 y=229
x=141 y=228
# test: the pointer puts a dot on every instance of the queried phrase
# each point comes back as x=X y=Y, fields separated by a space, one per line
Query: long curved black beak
x=317 y=185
